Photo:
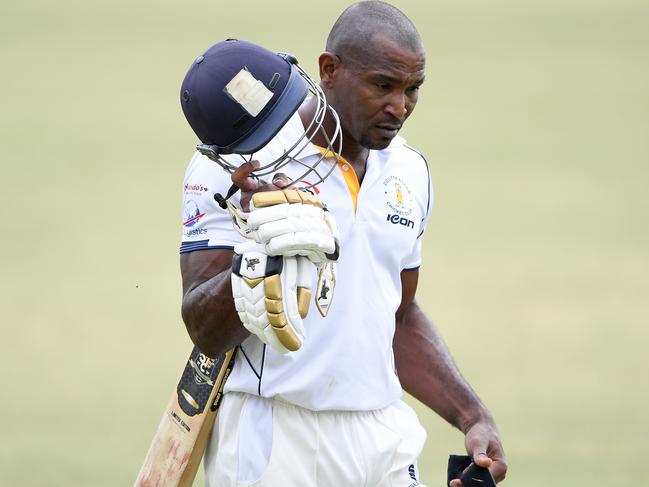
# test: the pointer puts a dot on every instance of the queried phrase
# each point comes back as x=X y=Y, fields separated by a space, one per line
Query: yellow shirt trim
x=349 y=175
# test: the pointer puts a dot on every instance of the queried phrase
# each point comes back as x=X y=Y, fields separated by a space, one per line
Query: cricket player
x=318 y=402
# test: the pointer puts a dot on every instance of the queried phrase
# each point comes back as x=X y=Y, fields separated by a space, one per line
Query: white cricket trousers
x=260 y=442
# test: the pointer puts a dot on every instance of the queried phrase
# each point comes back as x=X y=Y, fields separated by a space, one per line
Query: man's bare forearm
x=428 y=373
x=208 y=308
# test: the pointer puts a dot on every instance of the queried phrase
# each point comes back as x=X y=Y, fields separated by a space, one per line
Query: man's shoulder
x=204 y=173
x=407 y=165
x=399 y=151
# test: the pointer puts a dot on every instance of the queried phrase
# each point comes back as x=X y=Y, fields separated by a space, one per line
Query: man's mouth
x=389 y=129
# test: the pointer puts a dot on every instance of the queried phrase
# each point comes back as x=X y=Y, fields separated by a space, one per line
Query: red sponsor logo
x=307 y=187
x=195 y=187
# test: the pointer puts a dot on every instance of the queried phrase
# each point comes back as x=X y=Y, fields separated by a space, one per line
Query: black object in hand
x=474 y=476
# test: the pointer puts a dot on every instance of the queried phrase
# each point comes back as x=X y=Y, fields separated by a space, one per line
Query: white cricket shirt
x=346 y=361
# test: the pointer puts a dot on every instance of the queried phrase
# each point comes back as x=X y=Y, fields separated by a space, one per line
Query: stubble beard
x=373 y=145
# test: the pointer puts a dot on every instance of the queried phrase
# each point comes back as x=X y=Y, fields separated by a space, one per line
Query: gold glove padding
x=271 y=198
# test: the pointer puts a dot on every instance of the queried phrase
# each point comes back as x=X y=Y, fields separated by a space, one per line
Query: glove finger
x=281 y=296
x=267 y=230
x=331 y=223
x=290 y=295
x=314 y=240
x=248 y=246
x=272 y=198
x=295 y=208
x=309 y=231
x=259 y=216
x=304 y=279
x=306 y=211
x=268 y=198
x=300 y=241
x=273 y=229
x=271 y=338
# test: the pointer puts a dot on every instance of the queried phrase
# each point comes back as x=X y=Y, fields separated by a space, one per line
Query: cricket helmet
x=237 y=96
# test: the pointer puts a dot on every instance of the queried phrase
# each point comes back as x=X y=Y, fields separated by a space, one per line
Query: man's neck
x=352 y=152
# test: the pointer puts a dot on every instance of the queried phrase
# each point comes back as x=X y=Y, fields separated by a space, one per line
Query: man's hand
x=482 y=443
x=250 y=185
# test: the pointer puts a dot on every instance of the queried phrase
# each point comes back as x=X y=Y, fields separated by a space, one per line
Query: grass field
x=535 y=120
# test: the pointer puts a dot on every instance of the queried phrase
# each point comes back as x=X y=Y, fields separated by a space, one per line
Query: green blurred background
x=535 y=121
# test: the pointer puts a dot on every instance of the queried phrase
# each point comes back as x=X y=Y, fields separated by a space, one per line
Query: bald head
x=353 y=33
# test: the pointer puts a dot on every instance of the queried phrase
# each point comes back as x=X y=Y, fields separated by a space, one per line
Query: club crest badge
x=398 y=196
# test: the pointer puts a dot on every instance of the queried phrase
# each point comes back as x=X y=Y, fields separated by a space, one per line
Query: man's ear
x=329 y=64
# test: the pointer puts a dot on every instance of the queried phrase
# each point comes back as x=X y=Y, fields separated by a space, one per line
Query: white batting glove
x=271 y=294
x=292 y=222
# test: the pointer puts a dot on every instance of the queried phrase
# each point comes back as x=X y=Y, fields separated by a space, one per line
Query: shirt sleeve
x=205 y=224
x=426 y=200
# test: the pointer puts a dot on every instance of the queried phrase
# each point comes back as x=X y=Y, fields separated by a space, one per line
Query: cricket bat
x=178 y=445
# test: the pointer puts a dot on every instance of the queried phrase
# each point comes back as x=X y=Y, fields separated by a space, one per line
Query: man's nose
x=397 y=106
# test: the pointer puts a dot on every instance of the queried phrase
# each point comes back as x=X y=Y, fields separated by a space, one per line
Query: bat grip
x=218 y=197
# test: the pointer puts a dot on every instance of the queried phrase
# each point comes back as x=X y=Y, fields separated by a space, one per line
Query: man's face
x=376 y=91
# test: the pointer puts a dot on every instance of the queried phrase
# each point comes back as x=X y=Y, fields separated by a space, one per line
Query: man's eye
x=383 y=86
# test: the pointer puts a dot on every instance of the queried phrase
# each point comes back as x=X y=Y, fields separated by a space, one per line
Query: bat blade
x=181 y=438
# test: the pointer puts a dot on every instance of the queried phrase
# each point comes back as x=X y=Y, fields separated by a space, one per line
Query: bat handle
x=222 y=201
